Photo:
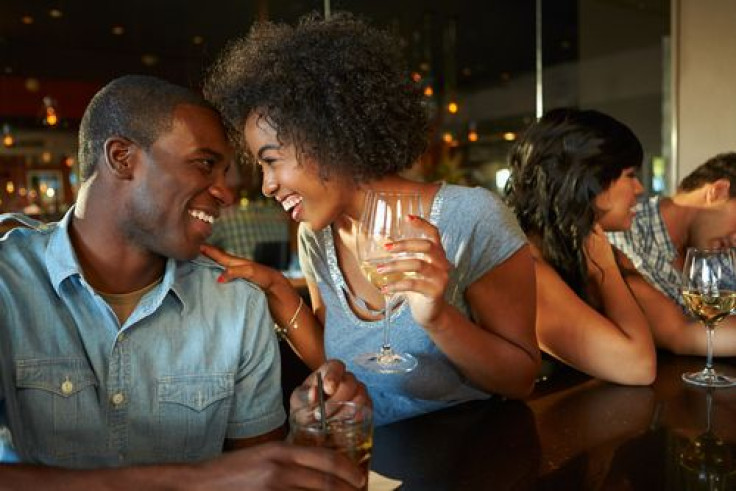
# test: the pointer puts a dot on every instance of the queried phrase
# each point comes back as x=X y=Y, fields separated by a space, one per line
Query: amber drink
x=348 y=428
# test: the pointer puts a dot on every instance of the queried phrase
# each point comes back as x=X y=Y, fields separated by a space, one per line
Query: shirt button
x=67 y=387
x=118 y=398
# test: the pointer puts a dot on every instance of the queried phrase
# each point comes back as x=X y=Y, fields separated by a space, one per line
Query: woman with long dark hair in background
x=573 y=177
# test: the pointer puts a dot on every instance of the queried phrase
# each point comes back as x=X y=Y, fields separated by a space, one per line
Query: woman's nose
x=638 y=188
x=269 y=185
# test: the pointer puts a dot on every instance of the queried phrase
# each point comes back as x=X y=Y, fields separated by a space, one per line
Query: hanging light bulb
x=50 y=118
x=8 y=139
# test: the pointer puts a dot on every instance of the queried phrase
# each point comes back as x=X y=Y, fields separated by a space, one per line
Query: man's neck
x=109 y=262
x=679 y=213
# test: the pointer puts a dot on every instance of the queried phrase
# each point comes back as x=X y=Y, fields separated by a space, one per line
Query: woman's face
x=616 y=204
x=296 y=185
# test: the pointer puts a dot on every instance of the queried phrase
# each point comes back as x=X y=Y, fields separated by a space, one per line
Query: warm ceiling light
x=149 y=59
x=118 y=30
x=32 y=84
x=27 y=20
x=428 y=91
x=447 y=137
x=416 y=76
x=55 y=13
x=9 y=187
x=197 y=40
x=8 y=139
x=452 y=107
x=509 y=136
x=473 y=136
x=50 y=117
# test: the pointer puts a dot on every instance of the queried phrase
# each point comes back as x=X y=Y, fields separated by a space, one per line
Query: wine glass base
x=708 y=378
x=390 y=362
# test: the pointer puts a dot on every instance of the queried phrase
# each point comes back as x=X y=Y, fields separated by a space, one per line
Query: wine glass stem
x=709 y=343
x=386 y=348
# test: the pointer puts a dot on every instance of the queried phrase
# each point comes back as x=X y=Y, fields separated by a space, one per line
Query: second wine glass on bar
x=708 y=292
x=385 y=219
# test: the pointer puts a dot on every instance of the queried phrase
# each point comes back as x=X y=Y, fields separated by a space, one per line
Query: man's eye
x=208 y=164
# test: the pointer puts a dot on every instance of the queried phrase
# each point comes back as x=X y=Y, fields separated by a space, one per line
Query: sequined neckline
x=339 y=280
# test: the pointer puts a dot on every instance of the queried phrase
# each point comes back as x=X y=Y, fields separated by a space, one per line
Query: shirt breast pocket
x=193 y=414
x=58 y=406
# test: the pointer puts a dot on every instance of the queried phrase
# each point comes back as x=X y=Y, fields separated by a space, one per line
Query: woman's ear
x=119 y=156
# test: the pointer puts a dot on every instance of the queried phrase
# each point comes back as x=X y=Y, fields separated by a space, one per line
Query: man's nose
x=222 y=192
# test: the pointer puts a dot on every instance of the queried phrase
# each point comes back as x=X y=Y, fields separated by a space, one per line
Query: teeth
x=291 y=202
x=202 y=216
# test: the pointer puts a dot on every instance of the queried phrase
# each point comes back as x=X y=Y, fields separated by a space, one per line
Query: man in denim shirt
x=118 y=347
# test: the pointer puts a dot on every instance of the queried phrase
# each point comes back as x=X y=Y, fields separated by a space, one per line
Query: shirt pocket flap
x=63 y=377
x=196 y=392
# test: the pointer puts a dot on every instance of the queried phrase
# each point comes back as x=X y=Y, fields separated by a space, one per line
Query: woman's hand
x=239 y=267
x=426 y=289
x=598 y=252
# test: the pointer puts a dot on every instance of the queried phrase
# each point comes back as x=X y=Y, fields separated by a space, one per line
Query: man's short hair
x=137 y=107
x=722 y=166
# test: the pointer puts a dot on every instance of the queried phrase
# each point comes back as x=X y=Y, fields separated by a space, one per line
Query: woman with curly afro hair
x=573 y=177
x=328 y=112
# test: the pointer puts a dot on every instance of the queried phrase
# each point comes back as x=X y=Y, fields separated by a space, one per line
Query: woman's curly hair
x=335 y=88
x=558 y=167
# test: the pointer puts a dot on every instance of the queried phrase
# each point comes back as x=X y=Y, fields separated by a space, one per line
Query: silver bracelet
x=282 y=331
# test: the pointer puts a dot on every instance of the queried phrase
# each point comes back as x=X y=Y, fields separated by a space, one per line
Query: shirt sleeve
x=258 y=405
x=307 y=251
x=496 y=234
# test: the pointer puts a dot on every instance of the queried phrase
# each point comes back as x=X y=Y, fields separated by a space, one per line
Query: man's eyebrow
x=214 y=153
x=264 y=148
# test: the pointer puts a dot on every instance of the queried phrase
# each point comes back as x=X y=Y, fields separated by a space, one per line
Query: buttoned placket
x=118 y=392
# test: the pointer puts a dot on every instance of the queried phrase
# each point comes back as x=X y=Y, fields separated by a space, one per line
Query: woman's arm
x=303 y=330
x=614 y=344
x=498 y=353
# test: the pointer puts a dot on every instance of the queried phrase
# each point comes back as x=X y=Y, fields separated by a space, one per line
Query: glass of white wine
x=707 y=289
x=385 y=219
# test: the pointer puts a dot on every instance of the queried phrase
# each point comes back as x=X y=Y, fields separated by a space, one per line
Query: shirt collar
x=61 y=263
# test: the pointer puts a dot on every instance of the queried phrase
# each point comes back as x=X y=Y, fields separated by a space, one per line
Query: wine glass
x=385 y=220
x=707 y=460
x=708 y=293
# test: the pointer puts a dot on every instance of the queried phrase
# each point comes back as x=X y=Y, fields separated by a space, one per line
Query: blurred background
x=488 y=68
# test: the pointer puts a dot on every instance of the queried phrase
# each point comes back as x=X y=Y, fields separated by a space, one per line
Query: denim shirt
x=195 y=363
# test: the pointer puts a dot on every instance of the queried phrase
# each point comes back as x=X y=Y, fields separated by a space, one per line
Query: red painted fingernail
x=413 y=217
x=388 y=246
x=221 y=279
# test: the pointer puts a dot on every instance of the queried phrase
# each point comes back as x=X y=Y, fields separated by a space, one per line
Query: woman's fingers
x=218 y=255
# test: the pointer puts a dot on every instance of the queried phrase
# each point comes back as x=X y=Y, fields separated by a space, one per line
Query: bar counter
x=574 y=433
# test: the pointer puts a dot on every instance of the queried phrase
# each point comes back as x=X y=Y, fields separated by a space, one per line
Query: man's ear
x=119 y=156
x=718 y=191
